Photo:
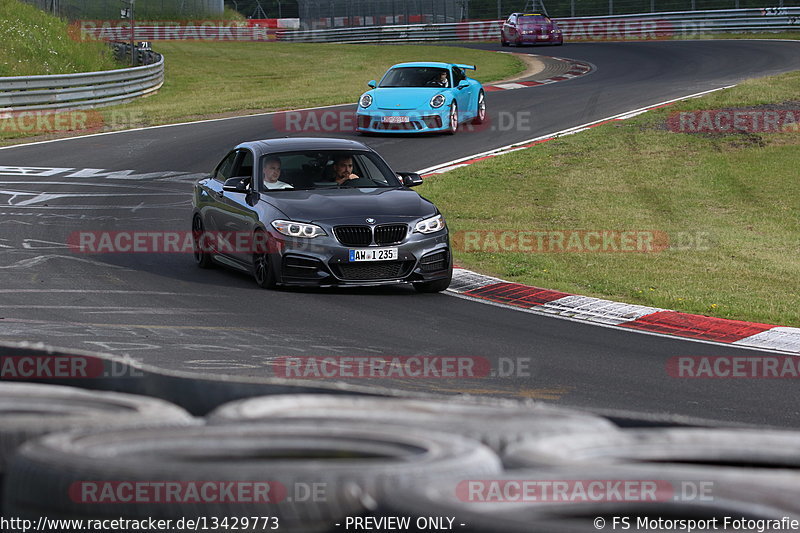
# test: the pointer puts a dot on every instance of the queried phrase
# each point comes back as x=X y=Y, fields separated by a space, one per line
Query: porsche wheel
x=480 y=113
x=452 y=126
x=503 y=42
x=262 y=262
x=201 y=257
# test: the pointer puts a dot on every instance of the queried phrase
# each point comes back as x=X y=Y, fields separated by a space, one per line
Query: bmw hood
x=350 y=203
x=398 y=98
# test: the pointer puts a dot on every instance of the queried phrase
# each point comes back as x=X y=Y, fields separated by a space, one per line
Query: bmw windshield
x=324 y=169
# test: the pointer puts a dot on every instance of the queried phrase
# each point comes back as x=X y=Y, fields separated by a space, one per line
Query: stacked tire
x=313 y=463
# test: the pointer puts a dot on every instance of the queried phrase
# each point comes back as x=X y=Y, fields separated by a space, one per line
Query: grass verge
x=209 y=79
x=728 y=202
x=37 y=43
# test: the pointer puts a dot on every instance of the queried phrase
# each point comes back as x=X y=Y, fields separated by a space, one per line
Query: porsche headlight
x=365 y=101
x=430 y=225
x=437 y=101
x=298 y=229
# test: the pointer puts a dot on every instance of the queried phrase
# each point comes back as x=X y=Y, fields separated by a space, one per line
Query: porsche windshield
x=324 y=169
x=414 y=77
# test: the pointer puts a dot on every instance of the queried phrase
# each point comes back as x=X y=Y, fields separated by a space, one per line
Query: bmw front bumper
x=324 y=262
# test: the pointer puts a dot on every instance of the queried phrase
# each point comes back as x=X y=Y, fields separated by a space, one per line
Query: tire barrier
x=723 y=447
x=570 y=500
x=496 y=423
x=29 y=410
x=105 y=475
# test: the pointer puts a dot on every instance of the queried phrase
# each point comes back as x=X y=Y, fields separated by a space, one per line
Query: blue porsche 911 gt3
x=421 y=97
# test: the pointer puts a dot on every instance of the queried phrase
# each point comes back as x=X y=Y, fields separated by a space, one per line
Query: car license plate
x=394 y=120
x=374 y=254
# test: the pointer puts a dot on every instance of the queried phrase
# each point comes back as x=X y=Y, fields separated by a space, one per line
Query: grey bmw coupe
x=319 y=212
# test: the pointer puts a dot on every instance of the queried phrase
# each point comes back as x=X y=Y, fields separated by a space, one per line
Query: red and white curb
x=637 y=317
x=577 y=69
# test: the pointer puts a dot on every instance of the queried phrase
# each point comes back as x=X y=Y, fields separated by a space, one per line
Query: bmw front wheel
x=263 y=271
x=437 y=285
x=201 y=257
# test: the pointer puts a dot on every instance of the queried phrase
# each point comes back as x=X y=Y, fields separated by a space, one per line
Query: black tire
x=349 y=462
x=480 y=113
x=666 y=492
x=452 y=119
x=201 y=258
x=496 y=423
x=438 y=285
x=503 y=42
x=709 y=446
x=30 y=410
x=263 y=270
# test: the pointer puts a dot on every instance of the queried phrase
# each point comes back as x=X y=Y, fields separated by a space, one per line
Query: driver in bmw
x=271 y=173
x=343 y=169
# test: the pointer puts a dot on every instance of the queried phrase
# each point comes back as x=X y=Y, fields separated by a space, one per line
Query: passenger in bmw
x=343 y=169
x=271 y=173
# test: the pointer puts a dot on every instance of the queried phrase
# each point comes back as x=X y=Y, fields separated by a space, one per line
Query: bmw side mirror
x=372 y=83
x=237 y=184
x=410 y=179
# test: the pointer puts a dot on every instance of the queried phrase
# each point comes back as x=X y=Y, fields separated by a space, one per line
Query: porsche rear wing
x=467 y=67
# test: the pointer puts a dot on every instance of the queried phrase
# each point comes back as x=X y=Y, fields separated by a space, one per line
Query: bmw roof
x=302 y=143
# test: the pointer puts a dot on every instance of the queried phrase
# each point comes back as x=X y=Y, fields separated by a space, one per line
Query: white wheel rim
x=453 y=118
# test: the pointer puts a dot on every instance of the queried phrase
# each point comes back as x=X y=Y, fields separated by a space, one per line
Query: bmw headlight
x=437 y=101
x=298 y=229
x=430 y=225
x=366 y=100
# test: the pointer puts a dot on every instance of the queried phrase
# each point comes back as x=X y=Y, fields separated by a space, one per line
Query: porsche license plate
x=394 y=120
x=374 y=254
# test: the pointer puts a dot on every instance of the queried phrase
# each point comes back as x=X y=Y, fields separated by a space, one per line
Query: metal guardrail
x=681 y=24
x=86 y=89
